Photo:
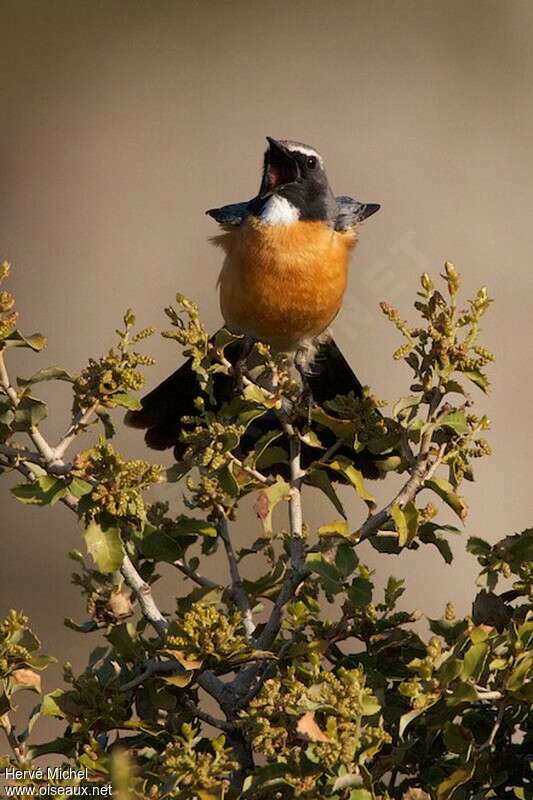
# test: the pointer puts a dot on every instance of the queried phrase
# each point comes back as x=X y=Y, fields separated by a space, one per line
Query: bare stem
x=237 y=588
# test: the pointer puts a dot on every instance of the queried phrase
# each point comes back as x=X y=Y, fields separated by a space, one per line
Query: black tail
x=163 y=409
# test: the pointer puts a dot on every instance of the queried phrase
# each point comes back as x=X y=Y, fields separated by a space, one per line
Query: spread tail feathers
x=163 y=409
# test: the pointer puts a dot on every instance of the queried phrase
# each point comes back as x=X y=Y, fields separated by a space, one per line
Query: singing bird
x=283 y=282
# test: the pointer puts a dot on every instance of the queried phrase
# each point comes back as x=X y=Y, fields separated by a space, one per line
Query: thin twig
x=253 y=473
x=495 y=728
x=78 y=424
x=195 y=576
x=237 y=588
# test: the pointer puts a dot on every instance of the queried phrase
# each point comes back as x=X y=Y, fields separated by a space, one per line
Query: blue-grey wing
x=233 y=214
x=351 y=212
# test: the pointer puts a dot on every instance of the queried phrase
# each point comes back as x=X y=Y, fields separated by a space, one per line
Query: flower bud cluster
x=118 y=484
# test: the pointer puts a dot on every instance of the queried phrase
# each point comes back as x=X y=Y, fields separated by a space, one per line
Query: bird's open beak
x=281 y=167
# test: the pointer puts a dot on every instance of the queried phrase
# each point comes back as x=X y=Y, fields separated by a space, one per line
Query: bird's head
x=295 y=172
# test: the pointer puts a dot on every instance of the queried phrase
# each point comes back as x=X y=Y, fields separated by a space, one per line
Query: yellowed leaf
x=185 y=661
x=416 y=794
x=180 y=680
x=308 y=728
x=27 y=678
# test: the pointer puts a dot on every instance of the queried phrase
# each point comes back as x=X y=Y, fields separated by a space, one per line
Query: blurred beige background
x=123 y=121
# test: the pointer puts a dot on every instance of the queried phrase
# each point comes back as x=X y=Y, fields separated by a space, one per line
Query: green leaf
x=320 y=479
x=360 y=794
x=329 y=575
x=360 y=592
x=446 y=491
x=522 y=672
x=407 y=718
x=478 y=546
x=126 y=400
x=29 y=412
x=464 y=693
x=35 y=342
x=405 y=404
x=354 y=476
x=346 y=559
x=105 y=546
x=457 y=738
x=477 y=377
x=46 y=490
x=49 y=706
x=406 y=522
x=385 y=544
x=428 y=535
x=78 y=487
x=474 y=661
x=263 y=444
x=46 y=374
x=456 y=420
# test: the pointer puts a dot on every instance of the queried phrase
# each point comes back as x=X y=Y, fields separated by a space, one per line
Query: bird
x=283 y=282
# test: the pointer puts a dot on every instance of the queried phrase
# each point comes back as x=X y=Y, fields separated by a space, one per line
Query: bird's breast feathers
x=283 y=283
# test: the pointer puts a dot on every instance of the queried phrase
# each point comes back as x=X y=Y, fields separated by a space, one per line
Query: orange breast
x=283 y=283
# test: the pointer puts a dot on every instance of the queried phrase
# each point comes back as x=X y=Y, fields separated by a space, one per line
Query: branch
x=297 y=571
x=195 y=576
x=421 y=472
x=253 y=473
x=12 y=738
x=237 y=589
x=495 y=728
x=143 y=595
x=78 y=424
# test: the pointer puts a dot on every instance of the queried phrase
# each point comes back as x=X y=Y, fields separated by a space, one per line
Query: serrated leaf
x=105 y=546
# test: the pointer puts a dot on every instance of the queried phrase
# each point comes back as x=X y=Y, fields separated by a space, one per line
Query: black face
x=300 y=178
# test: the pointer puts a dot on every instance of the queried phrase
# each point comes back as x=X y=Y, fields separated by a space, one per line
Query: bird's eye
x=311 y=162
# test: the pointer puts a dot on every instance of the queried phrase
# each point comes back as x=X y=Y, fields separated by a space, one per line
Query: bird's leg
x=239 y=368
x=306 y=396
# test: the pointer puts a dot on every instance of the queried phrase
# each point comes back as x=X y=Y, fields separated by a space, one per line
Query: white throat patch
x=279 y=211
